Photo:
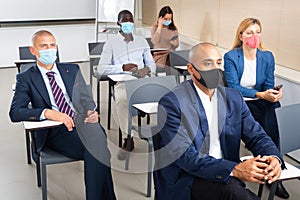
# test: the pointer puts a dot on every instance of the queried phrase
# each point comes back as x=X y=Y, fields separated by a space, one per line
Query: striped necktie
x=59 y=97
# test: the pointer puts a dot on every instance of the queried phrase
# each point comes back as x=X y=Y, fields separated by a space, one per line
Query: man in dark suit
x=200 y=126
x=63 y=97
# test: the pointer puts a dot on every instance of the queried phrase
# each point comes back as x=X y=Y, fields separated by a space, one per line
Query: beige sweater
x=161 y=38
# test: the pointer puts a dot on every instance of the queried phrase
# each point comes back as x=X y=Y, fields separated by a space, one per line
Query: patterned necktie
x=59 y=97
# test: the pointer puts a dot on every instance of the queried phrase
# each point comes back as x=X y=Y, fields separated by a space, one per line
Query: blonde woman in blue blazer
x=250 y=69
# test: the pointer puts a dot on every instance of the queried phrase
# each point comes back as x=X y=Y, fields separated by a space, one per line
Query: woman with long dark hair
x=164 y=35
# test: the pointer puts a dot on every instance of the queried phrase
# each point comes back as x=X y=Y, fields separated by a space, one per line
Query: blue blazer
x=234 y=68
x=182 y=124
x=30 y=88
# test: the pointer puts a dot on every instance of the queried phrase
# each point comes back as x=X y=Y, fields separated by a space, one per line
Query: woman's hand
x=270 y=95
x=160 y=22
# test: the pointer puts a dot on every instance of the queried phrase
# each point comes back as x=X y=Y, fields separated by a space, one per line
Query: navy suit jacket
x=182 y=124
x=31 y=88
x=234 y=68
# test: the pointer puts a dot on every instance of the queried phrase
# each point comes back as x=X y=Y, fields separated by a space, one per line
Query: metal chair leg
x=260 y=190
x=27 y=138
x=128 y=151
x=120 y=138
x=98 y=94
x=110 y=94
x=38 y=172
x=273 y=190
x=44 y=182
x=149 y=184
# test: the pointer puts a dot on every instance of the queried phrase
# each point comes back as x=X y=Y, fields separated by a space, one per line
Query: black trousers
x=92 y=149
x=235 y=189
x=264 y=113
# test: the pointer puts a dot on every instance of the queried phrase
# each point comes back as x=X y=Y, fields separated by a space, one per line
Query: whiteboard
x=108 y=9
x=37 y=10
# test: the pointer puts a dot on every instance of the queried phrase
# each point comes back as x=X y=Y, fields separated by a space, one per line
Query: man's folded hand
x=141 y=73
x=129 y=67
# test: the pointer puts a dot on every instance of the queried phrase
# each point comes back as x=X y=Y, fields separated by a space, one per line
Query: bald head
x=41 y=33
x=41 y=41
x=203 y=52
x=205 y=63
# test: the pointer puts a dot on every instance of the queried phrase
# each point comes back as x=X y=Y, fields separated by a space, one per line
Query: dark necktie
x=59 y=97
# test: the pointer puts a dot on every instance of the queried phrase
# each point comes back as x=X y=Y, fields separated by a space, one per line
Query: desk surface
x=24 y=61
x=94 y=56
x=184 y=67
x=249 y=99
x=158 y=49
x=290 y=172
x=148 y=108
x=32 y=125
x=121 y=77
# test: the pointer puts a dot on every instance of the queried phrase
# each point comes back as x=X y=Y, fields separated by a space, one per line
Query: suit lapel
x=38 y=82
x=65 y=75
x=197 y=104
x=240 y=62
x=221 y=109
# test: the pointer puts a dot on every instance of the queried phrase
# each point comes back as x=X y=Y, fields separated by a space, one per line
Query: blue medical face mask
x=167 y=23
x=127 y=27
x=47 y=56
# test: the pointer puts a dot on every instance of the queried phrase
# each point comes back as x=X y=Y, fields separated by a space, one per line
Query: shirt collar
x=204 y=96
x=44 y=71
x=123 y=38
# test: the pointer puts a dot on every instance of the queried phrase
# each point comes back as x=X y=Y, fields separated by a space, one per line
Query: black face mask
x=210 y=78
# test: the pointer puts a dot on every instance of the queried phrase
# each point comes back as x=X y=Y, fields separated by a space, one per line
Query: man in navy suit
x=33 y=86
x=200 y=127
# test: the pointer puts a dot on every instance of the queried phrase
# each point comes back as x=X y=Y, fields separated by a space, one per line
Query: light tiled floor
x=65 y=181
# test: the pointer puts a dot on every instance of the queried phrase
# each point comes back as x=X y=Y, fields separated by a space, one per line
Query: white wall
x=71 y=39
x=34 y=10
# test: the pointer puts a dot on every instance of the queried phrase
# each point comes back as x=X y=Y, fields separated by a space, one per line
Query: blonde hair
x=242 y=27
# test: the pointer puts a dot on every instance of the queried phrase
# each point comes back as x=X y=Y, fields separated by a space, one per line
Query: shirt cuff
x=42 y=116
x=277 y=158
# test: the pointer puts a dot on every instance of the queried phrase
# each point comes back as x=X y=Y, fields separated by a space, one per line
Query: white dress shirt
x=211 y=111
x=59 y=82
x=117 y=51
